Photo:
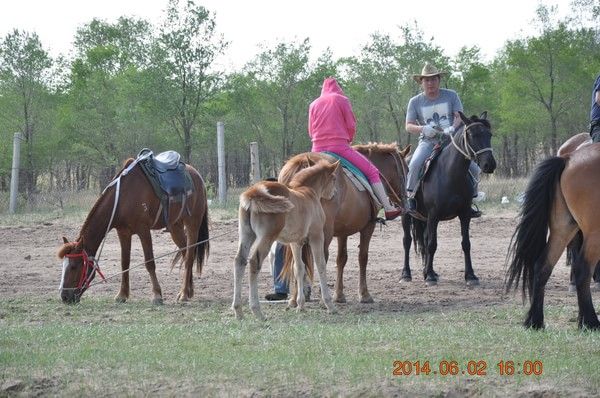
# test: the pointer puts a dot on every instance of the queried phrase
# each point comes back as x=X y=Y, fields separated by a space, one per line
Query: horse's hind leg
x=470 y=277
x=562 y=230
x=583 y=268
x=146 y=239
x=341 y=260
x=363 y=259
x=316 y=243
x=258 y=253
x=125 y=241
x=406 y=241
x=246 y=239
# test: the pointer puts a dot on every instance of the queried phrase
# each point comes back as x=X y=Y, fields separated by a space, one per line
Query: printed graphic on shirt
x=437 y=115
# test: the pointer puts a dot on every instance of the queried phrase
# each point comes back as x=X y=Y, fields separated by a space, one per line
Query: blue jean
x=421 y=153
x=279 y=285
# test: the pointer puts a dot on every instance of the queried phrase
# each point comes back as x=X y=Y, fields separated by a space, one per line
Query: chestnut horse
x=570 y=145
x=136 y=213
x=292 y=214
x=561 y=199
x=351 y=211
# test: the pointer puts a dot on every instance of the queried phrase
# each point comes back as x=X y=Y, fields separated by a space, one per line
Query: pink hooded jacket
x=331 y=122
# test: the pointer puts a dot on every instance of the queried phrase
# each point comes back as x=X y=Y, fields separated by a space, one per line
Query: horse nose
x=67 y=296
x=488 y=164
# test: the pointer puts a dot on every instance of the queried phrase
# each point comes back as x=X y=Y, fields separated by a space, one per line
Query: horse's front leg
x=146 y=239
x=406 y=241
x=316 y=244
x=470 y=278
x=341 y=260
x=363 y=259
x=431 y=278
x=125 y=241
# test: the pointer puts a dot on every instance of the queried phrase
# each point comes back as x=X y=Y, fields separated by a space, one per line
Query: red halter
x=85 y=279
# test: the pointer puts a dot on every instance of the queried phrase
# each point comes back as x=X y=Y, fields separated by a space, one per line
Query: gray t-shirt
x=438 y=112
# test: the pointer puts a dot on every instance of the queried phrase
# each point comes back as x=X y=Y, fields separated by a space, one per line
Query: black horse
x=446 y=192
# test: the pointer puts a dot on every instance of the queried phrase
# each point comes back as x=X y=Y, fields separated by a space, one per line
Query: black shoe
x=475 y=212
x=276 y=296
x=411 y=205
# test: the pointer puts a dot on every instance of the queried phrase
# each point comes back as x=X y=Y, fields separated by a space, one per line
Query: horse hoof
x=332 y=311
x=157 y=301
x=292 y=304
x=340 y=299
x=472 y=282
x=406 y=279
x=367 y=300
x=431 y=282
x=120 y=299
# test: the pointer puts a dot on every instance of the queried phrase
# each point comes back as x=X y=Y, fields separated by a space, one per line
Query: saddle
x=357 y=177
x=169 y=178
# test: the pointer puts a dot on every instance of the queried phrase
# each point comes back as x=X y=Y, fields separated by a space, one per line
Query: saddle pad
x=356 y=176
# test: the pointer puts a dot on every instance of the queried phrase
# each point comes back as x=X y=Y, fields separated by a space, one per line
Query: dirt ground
x=29 y=266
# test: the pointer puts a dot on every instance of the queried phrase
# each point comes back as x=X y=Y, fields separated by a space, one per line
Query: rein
x=468 y=152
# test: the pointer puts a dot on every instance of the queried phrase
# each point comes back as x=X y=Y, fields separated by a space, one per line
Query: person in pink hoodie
x=331 y=127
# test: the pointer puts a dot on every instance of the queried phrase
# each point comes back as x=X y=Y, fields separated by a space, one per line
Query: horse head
x=78 y=271
x=330 y=185
x=478 y=141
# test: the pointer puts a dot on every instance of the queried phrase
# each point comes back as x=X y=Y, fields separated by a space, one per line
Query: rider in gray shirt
x=432 y=114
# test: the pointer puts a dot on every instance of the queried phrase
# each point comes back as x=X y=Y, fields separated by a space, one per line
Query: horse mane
x=305 y=175
x=376 y=147
x=84 y=227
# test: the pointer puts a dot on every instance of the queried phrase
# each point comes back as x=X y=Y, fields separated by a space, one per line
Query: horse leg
x=258 y=253
x=341 y=260
x=431 y=278
x=583 y=269
x=246 y=240
x=363 y=259
x=562 y=231
x=125 y=241
x=146 y=239
x=470 y=277
x=597 y=277
x=187 y=286
x=406 y=241
x=316 y=244
x=299 y=271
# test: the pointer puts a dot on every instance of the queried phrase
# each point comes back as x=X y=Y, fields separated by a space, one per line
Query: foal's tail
x=203 y=248
x=528 y=243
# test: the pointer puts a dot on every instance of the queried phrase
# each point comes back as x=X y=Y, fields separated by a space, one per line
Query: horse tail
x=418 y=234
x=287 y=273
x=203 y=249
x=258 y=199
x=528 y=243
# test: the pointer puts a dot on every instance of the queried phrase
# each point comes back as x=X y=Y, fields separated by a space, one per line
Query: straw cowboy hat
x=428 y=71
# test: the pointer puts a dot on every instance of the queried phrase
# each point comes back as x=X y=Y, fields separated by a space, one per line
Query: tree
x=185 y=51
x=24 y=69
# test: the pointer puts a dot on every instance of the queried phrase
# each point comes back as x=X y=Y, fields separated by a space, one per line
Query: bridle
x=89 y=264
x=468 y=151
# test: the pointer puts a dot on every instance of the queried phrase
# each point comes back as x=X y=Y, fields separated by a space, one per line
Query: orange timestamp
x=470 y=368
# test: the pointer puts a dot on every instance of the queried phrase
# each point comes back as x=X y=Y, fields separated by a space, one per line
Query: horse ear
x=65 y=240
x=310 y=161
x=464 y=119
x=335 y=166
x=483 y=115
x=405 y=151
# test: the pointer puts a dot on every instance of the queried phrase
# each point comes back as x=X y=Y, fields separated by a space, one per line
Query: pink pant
x=356 y=158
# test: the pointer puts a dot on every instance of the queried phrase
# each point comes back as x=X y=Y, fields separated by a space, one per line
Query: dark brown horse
x=351 y=211
x=446 y=193
x=561 y=199
x=136 y=213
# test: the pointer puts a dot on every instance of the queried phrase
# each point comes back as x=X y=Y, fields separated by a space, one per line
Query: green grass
x=99 y=347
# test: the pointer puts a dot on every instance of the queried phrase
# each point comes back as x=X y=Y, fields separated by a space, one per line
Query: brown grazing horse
x=561 y=199
x=351 y=211
x=570 y=145
x=292 y=214
x=136 y=213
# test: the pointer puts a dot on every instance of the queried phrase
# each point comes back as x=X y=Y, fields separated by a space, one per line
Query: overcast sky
x=342 y=25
